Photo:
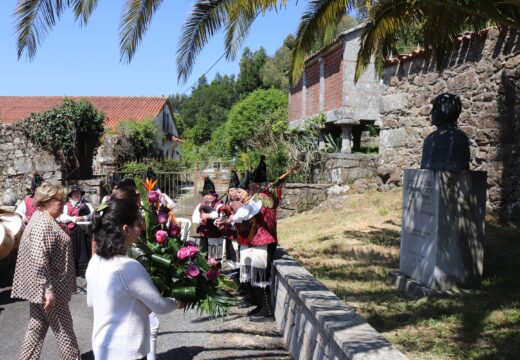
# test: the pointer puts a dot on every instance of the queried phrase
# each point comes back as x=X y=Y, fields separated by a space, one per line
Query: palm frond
x=83 y=9
x=319 y=21
x=34 y=20
x=135 y=19
x=442 y=22
x=240 y=17
x=207 y=17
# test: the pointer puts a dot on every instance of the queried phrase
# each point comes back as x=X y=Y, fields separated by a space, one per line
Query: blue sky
x=74 y=60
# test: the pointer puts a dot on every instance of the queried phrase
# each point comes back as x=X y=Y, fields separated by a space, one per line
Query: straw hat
x=11 y=229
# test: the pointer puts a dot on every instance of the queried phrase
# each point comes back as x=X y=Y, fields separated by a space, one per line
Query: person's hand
x=50 y=301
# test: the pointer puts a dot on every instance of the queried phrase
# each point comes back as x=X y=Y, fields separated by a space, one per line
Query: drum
x=6 y=243
x=13 y=226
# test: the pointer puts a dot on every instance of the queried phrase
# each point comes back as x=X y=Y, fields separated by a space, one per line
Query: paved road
x=182 y=335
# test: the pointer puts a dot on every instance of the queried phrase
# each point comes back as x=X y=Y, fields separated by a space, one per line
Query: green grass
x=353 y=250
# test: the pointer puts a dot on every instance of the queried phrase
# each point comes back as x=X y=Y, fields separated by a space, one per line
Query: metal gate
x=185 y=187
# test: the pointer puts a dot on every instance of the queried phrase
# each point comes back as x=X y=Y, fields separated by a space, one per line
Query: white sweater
x=122 y=296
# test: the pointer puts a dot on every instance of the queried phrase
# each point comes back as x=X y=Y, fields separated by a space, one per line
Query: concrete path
x=182 y=335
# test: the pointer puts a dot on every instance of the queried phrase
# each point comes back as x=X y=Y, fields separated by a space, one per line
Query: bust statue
x=447 y=148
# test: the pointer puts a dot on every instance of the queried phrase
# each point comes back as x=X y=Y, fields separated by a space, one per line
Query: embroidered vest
x=29 y=207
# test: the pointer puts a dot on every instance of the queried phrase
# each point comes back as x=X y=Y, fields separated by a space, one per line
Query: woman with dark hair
x=120 y=290
x=44 y=275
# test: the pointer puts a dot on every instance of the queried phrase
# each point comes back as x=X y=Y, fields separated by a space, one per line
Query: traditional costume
x=256 y=228
x=26 y=208
x=210 y=236
x=73 y=211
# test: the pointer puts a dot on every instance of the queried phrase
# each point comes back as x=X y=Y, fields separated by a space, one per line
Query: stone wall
x=343 y=168
x=20 y=158
x=316 y=324
x=298 y=198
x=485 y=72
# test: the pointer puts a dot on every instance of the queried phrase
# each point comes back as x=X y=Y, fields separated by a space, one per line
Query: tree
x=250 y=76
x=442 y=20
x=274 y=71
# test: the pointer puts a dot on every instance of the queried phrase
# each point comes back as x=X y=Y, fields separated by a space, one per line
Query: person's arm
x=246 y=212
x=137 y=282
x=21 y=210
x=64 y=217
x=89 y=216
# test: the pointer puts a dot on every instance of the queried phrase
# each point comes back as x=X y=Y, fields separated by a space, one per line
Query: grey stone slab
x=442 y=232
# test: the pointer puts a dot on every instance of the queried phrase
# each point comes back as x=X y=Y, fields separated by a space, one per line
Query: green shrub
x=143 y=135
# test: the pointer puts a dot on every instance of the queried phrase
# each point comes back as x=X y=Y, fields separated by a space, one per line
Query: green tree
x=207 y=108
x=274 y=71
x=251 y=118
x=250 y=76
x=71 y=131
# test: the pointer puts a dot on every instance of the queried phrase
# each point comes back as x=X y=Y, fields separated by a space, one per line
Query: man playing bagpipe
x=255 y=221
x=204 y=216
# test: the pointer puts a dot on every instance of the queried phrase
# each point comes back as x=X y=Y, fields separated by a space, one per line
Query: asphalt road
x=181 y=335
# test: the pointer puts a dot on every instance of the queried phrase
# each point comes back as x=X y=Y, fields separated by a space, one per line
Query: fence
x=185 y=186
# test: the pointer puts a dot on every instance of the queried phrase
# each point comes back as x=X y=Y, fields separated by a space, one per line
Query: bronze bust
x=447 y=148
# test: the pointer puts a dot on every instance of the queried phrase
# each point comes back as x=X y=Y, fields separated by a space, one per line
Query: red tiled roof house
x=115 y=108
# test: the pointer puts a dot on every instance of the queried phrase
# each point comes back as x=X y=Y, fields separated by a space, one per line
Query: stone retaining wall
x=316 y=324
x=298 y=198
x=344 y=168
x=485 y=72
x=20 y=158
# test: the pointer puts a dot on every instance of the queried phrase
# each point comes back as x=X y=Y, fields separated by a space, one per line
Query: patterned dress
x=45 y=258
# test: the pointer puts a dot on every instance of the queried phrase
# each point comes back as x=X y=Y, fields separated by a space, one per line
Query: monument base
x=416 y=289
x=442 y=231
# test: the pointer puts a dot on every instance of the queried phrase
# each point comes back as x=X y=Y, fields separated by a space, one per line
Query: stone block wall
x=316 y=324
x=343 y=168
x=297 y=198
x=485 y=72
x=20 y=158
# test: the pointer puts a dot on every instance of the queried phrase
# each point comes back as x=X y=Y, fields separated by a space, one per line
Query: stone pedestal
x=442 y=231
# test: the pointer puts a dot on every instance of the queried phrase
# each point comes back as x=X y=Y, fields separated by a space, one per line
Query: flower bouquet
x=179 y=269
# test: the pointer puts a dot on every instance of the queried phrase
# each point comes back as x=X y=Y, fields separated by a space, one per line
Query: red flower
x=163 y=218
x=192 y=271
x=174 y=230
x=212 y=275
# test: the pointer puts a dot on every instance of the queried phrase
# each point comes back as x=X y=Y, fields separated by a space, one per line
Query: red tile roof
x=115 y=108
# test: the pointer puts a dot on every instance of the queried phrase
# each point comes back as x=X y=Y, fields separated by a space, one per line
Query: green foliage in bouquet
x=179 y=269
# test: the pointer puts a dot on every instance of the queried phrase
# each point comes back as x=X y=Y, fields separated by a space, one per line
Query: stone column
x=346 y=142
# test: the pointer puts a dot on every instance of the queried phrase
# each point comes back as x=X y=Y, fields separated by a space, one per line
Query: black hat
x=209 y=187
x=127 y=183
x=244 y=184
x=260 y=174
x=234 y=181
x=36 y=182
x=75 y=187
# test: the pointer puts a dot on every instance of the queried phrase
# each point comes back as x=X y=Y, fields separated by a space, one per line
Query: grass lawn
x=352 y=251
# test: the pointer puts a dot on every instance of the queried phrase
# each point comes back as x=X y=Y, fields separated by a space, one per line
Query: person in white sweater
x=119 y=288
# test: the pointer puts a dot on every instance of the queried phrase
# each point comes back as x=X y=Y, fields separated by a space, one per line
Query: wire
x=220 y=58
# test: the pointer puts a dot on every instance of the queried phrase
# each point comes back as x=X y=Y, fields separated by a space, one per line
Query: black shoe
x=256 y=310
x=266 y=312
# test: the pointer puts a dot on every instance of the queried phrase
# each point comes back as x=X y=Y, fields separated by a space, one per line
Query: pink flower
x=161 y=236
x=192 y=271
x=192 y=251
x=153 y=196
x=212 y=262
x=163 y=218
x=174 y=230
x=183 y=254
x=212 y=275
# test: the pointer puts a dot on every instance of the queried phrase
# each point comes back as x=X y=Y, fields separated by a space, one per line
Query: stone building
x=484 y=70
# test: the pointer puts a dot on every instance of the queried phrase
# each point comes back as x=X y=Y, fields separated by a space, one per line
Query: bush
x=70 y=131
x=143 y=135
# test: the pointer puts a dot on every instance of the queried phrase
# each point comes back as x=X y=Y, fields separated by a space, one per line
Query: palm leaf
x=442 y=22
x=319 y=22
x=83 y=9
x=137 y=15
x=34 y=20
x=207 y=17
